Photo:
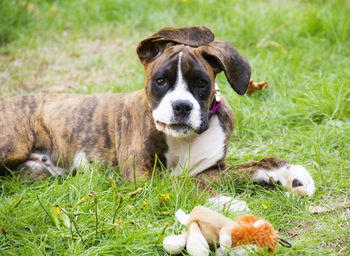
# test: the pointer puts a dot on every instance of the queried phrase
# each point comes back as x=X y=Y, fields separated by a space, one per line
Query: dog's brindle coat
x=169 y=118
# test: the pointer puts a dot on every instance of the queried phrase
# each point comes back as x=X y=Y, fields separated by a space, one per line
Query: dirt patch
x=66 y=66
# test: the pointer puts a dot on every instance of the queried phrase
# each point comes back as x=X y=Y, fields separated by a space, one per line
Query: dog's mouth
x=175 y=129
x=174 y=126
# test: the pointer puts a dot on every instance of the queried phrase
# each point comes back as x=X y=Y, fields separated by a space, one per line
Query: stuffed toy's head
x=249 y=229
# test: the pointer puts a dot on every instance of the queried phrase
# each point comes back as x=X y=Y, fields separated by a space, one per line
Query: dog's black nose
x=182 y=107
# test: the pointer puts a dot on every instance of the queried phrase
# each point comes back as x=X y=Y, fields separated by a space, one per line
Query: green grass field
x=302 y=48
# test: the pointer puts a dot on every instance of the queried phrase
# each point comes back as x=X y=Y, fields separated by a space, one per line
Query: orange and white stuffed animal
x=207 y=228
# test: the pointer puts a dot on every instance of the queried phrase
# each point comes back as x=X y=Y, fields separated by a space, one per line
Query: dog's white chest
x=196 y=154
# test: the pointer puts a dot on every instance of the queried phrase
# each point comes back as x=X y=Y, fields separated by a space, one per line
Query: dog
x=179 y=116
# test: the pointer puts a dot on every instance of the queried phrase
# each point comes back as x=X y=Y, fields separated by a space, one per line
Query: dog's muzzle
x=182 y=110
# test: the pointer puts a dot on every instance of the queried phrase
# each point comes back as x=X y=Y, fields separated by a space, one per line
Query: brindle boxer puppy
x=175 y=116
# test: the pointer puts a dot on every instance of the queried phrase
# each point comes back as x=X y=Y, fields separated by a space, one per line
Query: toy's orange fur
x=245 y=233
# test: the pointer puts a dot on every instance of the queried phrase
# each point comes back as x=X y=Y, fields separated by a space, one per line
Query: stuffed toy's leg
x=175 y=244
x=196 y=244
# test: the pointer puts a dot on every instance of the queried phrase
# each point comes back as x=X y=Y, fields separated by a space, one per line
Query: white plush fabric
x=174 y=244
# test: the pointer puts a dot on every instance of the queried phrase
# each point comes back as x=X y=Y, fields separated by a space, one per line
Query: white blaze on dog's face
x=180 y=92
x=178 y=113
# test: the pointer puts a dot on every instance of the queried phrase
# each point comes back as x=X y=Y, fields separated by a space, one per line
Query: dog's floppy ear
x=192 y=36
x=153 y=46
x=223 y=57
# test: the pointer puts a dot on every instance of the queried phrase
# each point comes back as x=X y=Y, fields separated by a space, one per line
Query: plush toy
x=207 y=228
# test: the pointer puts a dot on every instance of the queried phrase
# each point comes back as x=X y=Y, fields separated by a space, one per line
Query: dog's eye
x=202 y=83
x=161 y=81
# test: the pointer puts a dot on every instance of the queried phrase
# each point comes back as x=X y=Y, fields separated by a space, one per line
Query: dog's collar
x=217 y=101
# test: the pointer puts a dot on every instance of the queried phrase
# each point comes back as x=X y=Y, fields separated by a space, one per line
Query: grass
x=302 y=48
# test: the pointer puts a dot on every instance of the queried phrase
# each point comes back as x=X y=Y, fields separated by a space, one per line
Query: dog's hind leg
x=39 y=166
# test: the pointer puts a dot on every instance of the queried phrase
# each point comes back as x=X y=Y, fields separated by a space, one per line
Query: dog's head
x=180 y=66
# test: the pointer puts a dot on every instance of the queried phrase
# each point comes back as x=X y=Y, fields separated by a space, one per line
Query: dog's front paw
x=295 y=178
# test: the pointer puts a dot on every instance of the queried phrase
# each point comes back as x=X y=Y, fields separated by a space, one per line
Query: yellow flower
x=131 y=207
x=184 y=1
x=145 y=202
x=120 y=222
x=84 y=199
x=58 y=210
x=52 y=9
x=165 y=196
x=264 y=206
